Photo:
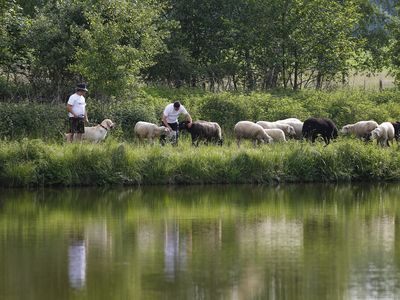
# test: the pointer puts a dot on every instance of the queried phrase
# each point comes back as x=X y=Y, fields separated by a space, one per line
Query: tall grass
x=36 y=163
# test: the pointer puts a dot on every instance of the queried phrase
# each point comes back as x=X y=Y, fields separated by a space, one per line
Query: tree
x=13 y=51
x=53 y=39
x=121 y=39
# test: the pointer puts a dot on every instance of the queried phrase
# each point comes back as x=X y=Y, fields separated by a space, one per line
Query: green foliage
x=223 y=110
x=343 y=107
x=122 y=38
x=309 y=43
x=32 y=120
x=52 y=40
x=127 y=114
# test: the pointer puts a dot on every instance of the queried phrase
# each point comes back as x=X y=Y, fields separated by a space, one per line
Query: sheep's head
x=345 y=129
x=335 y=133
x=291 y=131
x=267 y=138
x=183 y=125
x=376 y=133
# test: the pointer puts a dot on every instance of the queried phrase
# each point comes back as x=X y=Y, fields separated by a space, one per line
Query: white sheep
x=276 y=134
x=383 y=134
x=296 y=124
x=252 y=131
x=149 y=131
x=361 y=129
x=287 y=129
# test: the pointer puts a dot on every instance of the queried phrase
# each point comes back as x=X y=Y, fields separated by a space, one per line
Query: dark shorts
x=76 y=125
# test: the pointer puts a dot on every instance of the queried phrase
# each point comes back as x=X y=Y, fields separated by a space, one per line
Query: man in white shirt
x=77 y=114
x=170 y=118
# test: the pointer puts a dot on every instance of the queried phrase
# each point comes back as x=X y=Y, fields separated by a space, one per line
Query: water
x=222 y=242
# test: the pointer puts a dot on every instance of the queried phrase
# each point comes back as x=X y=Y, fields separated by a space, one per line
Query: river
x=202 y=242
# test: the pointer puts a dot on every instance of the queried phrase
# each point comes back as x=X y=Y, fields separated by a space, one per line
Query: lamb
x=325 y=127
x=383 y=134
x=203 y=130
x=149 y=131
x=296 y=124
x=361 y=129
x=252 y=131
x=287 y=129
x=276 y=134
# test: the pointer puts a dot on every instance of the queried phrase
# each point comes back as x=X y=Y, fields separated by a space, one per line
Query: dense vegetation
x=47 y=122
x=33 y=162
x=48 y=46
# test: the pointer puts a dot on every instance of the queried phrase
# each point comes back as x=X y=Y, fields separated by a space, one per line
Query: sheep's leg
x=254 y=143
x=238 y=142
x=313 y=138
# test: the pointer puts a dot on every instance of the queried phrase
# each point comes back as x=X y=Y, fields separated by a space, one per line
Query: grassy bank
x=47 y=121
x=35 y=163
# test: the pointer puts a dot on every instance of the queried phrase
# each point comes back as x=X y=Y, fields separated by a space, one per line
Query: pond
x=202 y=242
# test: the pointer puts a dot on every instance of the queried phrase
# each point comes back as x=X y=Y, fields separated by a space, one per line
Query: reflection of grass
x=32 y=162
x=72 y=209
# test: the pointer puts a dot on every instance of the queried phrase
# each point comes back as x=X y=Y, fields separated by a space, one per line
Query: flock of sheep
x=278 y=131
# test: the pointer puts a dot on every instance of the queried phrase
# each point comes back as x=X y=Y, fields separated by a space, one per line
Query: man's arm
x=164 y=120
x=69 y=109
x=189 y=119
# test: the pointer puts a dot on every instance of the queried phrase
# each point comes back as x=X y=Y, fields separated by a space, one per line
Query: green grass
x=36 y=163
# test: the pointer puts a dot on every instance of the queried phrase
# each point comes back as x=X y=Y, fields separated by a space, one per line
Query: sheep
x=383 y=134
x=276 y=134
x=203 y=130
x=145 y=130
x=287 y=129
x=361 y=129
x=296 y=124
x=250 y=130
x=312 y=127
x=396 y=126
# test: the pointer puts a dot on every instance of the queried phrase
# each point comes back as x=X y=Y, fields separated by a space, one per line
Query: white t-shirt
x=78 y=105
x=172 y=115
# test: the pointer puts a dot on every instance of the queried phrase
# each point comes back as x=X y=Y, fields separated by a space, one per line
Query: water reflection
x=77 y=263
x=175 y=251
x=246 y=242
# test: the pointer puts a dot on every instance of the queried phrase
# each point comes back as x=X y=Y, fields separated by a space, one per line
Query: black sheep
x=203 y=130
x=313 y=127
x=396 y=126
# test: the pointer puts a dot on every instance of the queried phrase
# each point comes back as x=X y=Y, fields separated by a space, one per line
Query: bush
x=34 y=120
x=224 y=111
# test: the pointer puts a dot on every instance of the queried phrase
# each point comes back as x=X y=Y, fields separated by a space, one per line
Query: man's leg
x=80 y=129
x=70 y=134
